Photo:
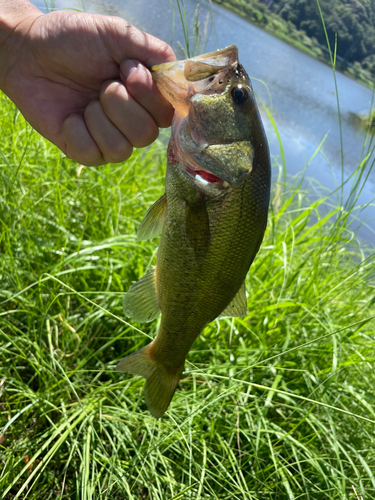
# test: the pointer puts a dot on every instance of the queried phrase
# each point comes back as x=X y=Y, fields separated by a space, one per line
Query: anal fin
x=238 y=306
x=141 y=301
x=153 y=221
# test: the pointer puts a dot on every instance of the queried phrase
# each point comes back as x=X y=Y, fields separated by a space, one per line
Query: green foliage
x=351 y=24
x=279 y=404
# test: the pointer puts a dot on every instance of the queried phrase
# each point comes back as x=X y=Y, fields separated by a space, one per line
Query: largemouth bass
x=212 y=216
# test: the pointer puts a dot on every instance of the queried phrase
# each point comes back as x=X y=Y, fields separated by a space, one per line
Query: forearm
x=15 y=19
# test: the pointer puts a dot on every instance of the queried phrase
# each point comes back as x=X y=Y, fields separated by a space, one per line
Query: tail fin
x=161 y=382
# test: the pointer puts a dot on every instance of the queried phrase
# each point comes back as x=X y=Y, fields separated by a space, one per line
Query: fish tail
x=161 y=382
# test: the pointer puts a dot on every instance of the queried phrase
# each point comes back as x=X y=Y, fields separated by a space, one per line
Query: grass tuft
x=279 y=404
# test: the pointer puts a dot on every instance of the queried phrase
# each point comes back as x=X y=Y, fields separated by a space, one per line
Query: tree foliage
x=352 y=21
x=350 y=26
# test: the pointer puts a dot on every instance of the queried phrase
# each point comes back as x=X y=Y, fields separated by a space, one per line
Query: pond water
x=298 y=89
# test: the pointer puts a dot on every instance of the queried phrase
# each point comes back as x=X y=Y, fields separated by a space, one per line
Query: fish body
x=212 y=217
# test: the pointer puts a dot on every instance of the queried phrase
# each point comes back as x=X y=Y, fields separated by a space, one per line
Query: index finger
x=127 y=42
x=141 y=86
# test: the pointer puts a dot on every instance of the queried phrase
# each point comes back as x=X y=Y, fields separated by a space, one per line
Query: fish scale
x=212 y=217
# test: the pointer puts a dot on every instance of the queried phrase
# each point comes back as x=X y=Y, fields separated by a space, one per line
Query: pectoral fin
x=153 y=221
x=238 y=306
x=141 y=302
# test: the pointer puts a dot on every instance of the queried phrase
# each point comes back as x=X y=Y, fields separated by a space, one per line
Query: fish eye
x=239 y=94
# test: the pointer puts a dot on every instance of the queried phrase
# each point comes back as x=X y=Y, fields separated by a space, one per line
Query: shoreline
x=316 y=50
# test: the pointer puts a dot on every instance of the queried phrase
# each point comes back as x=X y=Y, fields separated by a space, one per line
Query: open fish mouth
x=178 y=81
x=198 y=89
x=196 y=172
x=204 y=177
x=185 y=160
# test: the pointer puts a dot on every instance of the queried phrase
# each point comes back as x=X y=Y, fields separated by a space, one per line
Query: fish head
x=216 y=128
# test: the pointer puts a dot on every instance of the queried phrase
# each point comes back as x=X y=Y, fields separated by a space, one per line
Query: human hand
x=82 y=81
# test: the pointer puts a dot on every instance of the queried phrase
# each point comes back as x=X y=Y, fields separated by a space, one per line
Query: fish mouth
x=185 y=160
x=209 y=74
x=178 y=81
x=204 y=177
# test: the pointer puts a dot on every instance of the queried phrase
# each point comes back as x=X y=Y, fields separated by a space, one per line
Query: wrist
x=16 y=17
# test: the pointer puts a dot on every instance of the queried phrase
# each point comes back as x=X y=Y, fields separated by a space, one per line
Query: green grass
x=279 y=404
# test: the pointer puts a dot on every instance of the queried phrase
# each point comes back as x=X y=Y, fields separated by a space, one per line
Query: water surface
x=298 y=89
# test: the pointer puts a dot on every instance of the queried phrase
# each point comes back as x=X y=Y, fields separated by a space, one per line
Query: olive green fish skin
x=213 y=228
x=208 y=244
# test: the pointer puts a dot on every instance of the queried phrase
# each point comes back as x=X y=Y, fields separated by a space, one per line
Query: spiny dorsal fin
x=141 y=302
x=238 y=306
x=153 y=221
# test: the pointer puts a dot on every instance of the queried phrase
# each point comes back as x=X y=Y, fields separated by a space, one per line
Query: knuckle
x=164 y=119
x=119 y=152
x=79 y=145
x=91 y=161
x=91 y=108
x=149 y=134
x=167 y=51
x=90 y=158
x=109 y=91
